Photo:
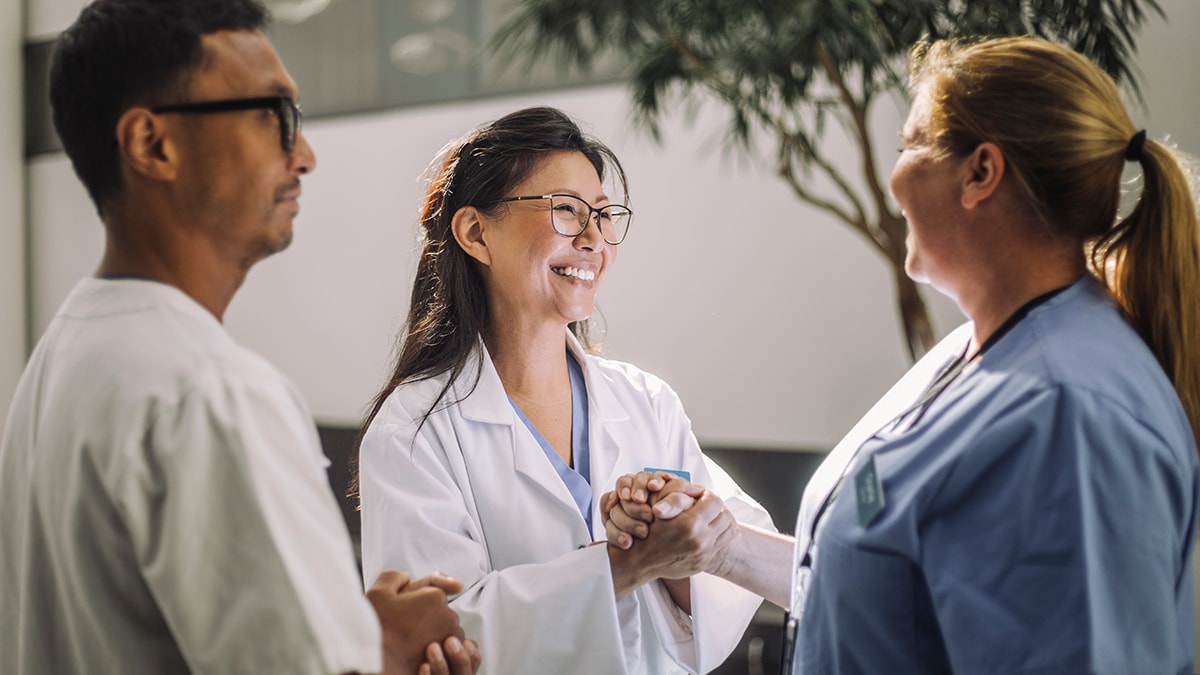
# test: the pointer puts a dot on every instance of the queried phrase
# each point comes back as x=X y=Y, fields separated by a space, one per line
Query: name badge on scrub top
x=869 y=491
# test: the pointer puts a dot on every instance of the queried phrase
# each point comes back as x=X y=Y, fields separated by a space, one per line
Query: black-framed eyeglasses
x=286 y=111
x=570 y=216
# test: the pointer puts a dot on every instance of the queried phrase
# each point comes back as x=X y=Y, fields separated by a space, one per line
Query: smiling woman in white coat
x=480 y=455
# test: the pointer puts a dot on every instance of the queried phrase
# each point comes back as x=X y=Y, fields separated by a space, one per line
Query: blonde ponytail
x=1150 y=261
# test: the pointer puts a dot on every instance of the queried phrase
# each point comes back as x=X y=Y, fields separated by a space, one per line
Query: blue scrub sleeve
x=1029 y=564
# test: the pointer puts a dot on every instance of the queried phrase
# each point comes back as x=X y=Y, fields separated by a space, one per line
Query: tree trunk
x=918 y=330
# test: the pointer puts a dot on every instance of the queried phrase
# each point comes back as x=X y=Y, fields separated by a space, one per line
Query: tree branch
x=859 y=116
x=785 y=169
x=787 y=139
x=801 y=145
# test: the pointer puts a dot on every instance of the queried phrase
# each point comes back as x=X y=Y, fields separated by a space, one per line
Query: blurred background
x=775 y=322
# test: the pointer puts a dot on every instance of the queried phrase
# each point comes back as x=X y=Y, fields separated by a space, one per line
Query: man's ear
x=985 y=169
x=144 y=146
x=469 y=228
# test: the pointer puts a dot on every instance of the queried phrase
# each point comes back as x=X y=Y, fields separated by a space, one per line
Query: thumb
x=391 y=581
x=673 y=504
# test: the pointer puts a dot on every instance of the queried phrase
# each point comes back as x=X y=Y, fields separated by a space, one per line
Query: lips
x=288 y=193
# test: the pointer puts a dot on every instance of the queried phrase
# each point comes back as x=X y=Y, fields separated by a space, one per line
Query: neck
x=165 y=255
x=1001 y=295
x=531 y=362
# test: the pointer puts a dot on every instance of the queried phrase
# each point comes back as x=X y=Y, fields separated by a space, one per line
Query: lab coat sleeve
x=1042 y=476
x=239 y=538
x=721 y=611
x=417 y=515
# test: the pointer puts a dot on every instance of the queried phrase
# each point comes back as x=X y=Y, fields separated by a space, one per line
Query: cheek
x=609 y=257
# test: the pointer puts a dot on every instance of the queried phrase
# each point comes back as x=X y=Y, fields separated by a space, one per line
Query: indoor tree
x=783 y=68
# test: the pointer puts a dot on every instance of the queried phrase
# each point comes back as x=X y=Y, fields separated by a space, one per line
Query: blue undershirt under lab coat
x=1039 y=516
x=577 y=478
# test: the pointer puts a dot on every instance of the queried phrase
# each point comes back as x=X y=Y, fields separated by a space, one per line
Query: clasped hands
x=421 y=633
x=670 y=527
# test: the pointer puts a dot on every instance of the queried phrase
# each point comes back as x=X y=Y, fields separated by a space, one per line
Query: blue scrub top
x=577 y=479
x=1038 y=516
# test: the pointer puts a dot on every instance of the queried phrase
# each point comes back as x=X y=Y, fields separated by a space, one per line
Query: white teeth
x=583 y=275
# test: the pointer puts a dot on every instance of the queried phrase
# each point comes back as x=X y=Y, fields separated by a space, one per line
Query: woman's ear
x=468 y=228
x=985 y=170
x=144 y=146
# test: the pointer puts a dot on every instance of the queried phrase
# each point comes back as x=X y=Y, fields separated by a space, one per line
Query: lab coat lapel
x=608 y=430
x=488 y=404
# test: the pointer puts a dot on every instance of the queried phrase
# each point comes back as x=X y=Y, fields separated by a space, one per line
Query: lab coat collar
x=602 y=401
x=488 y=402
x=484 y=400
x=607 y=426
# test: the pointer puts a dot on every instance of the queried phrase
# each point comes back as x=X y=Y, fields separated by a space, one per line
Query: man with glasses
x=164 y=499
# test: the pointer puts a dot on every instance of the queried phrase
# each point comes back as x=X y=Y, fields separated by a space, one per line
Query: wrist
x=396 y=662
x=627 y=574
x=724 y=559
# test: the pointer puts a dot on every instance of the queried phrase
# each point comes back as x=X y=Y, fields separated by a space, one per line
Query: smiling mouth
x=575 y=272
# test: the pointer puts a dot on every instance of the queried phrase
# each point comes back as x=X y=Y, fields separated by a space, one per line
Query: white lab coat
x=470 y=493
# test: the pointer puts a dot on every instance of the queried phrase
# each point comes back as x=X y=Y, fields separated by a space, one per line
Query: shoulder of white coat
x=405 y=410
x=626 y=375
x=191 y=362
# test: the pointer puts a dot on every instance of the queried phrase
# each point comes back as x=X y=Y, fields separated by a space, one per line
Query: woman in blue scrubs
x=1025 y=499
x=1034 y=509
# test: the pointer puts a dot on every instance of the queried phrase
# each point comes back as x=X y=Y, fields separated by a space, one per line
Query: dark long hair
x=449 y=304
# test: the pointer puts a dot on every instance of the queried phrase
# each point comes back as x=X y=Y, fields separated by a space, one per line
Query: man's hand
x=420 y=632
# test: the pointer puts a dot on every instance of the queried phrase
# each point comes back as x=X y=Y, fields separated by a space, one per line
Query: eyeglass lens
x=572 y=215
x=288 y=113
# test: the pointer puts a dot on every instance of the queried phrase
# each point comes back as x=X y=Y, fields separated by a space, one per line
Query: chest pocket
x=868 y=612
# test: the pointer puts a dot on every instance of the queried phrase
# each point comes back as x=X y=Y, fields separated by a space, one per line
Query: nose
x=302 y=157
x=591 y=238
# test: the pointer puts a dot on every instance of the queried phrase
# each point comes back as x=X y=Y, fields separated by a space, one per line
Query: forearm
x=760 y=561
x=681 y=592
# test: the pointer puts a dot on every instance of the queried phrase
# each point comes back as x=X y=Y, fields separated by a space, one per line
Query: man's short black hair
x=122 y=53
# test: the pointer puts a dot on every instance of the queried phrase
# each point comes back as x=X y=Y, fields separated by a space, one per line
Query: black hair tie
x=1133 y=152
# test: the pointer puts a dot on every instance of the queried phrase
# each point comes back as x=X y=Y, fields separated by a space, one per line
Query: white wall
x=12 y=206
x=725 y=286
x=775 y=324
x=47 y=18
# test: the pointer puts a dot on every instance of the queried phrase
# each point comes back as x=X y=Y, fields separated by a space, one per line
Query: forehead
x=918 y=114
x=565 y=171
x=240 y=64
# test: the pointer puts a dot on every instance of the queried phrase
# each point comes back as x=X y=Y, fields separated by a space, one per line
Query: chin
x=267 y=247
x=912 y=267
x=580 y=314
x=283 y=242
